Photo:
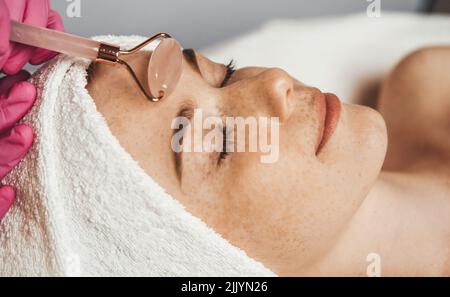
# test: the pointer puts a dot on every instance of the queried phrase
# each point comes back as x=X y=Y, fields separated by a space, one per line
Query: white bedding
x=341 y=54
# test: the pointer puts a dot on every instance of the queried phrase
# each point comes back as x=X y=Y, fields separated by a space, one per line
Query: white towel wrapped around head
x=85 y=207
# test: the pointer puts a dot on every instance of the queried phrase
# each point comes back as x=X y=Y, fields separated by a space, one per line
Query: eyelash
x=231 y=68
x=225 y=143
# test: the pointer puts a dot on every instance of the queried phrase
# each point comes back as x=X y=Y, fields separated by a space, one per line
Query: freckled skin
x=305 y=214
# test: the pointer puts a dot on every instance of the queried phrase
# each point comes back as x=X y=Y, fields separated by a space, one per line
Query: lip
x=329 y=109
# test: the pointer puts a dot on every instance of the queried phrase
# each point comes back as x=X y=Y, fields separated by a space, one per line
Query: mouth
x=329 y=109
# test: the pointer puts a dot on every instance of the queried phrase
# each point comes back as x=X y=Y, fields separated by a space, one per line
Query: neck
x=393 y=225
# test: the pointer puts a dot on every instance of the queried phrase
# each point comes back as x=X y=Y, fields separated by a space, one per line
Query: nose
x=278 y=86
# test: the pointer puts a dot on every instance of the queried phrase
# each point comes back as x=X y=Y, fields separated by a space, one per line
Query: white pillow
x=337 y=54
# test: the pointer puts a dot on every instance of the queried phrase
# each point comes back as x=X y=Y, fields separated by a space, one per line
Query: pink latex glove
x=16 y=95
x=33 y=12
x=15 y=141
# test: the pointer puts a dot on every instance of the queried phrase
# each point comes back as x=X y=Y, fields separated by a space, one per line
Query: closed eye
x=227 y=144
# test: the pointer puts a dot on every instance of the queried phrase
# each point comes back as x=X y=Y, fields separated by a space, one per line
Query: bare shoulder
x=415 y=102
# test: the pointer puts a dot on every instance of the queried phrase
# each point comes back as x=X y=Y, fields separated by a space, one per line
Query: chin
x=369 y=139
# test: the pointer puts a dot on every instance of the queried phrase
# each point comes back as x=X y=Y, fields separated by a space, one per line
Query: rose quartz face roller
x=164 y=66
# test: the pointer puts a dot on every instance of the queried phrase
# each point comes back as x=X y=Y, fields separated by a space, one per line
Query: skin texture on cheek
x=277 y=212
x=202 y=190
x=289 y=214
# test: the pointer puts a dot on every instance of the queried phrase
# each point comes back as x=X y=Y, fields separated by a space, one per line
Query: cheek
x=300 y=198
x=278 y=206
x=204 y=189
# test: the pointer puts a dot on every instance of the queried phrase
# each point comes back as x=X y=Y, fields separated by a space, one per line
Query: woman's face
x=283 y=213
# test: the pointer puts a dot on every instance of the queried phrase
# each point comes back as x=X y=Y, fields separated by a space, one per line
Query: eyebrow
x=191 y=58
x=186 y=111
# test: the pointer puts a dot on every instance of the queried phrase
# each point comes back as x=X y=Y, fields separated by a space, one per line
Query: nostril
x=281 y=87
x=276 y=89
x=289 y=92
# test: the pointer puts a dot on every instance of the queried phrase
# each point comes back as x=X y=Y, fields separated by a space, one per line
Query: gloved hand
x=16 y=95
x=15 y=141
x=33 y=12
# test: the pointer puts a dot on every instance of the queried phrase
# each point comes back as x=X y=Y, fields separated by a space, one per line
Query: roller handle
x=53 y=40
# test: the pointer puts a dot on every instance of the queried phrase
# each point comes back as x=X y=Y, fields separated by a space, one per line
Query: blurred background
x=201 y=23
